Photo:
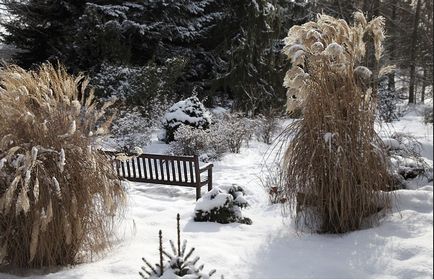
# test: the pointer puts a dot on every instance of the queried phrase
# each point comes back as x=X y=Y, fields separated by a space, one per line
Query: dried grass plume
x=59 y=197
x=336 y=166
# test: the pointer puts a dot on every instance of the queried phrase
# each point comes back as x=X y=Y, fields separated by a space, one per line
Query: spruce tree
x=253 y=66
x=41 y=29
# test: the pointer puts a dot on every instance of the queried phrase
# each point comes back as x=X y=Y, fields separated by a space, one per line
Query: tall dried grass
x=58 y=196
x=336 y=166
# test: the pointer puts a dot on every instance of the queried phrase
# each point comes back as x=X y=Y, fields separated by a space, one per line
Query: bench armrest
x=206 y=167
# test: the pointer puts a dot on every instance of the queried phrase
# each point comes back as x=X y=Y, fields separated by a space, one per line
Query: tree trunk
x=391 y=76
x=424 y=84
x=413 y=50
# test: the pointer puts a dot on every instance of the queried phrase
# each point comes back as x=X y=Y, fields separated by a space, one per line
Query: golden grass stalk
x=58 y=195
x=335 y=164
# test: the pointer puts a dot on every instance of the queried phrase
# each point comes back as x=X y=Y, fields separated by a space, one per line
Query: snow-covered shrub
x=334 y=156
x=209 y=144
x=226 y=134
x=189 y=112
x=131 y=129
x=58 y=195
x=404 y=151
x=222 y=206
x=179 y=263
x=190 y=141
x=267 y=126
x=235 y=130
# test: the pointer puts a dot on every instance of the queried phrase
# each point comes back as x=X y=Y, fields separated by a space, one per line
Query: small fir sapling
x=222 y=206
x=178 y=263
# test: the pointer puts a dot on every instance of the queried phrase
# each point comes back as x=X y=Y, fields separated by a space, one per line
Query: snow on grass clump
x=405 y=154
x=188 y=112
x=60 y=198
x=222 y=206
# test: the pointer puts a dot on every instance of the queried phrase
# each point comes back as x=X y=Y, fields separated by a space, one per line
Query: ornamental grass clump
x=59 y=197
x=336 y=166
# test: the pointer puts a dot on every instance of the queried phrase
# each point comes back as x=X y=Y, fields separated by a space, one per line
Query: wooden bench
x=162 y=169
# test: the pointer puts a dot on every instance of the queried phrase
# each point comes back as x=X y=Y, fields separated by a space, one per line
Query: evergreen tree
x=253 y=66
x=151 y=30
x=40 y=28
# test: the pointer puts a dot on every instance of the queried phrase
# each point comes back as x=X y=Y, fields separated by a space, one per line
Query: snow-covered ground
x=401 y=246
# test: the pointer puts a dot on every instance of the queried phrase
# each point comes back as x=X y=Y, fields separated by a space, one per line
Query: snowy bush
x=179 y=263
x=58 y=195
x=209 y=144
x=190 y=141
x=225 y=135
x=407 y=162
x=131 y=129
x=235 y=130
x=189 y=112
x=222 y=206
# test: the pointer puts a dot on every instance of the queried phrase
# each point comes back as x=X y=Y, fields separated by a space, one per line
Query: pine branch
x=189 y=254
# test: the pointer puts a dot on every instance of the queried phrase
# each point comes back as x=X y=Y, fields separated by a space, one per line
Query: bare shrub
x=274 y=181
x=268 y=125
x=336 y=163
x=58 y=196
x=236 y=130
x=226 y=134
x=190 y=141
x=131 y=129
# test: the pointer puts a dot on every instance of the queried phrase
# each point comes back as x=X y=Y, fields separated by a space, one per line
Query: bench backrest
x=161 y=169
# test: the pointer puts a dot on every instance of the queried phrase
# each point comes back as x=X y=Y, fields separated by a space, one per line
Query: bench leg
x=197 y=193
x=209 y=179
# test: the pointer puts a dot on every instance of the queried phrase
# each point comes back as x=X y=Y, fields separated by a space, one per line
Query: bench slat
x=179 y=171
x=139 y=167
x=172 y=163
x=191 y=172
x=150 y=169
x=133 y=166
x=185 y=171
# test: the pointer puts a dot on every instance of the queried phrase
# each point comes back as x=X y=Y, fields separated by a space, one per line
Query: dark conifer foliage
x=42 y=29
x=231 y=48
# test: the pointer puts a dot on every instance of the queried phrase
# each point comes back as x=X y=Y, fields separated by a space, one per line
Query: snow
x=400 y=246
x=213 y=199
x=391 y=143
